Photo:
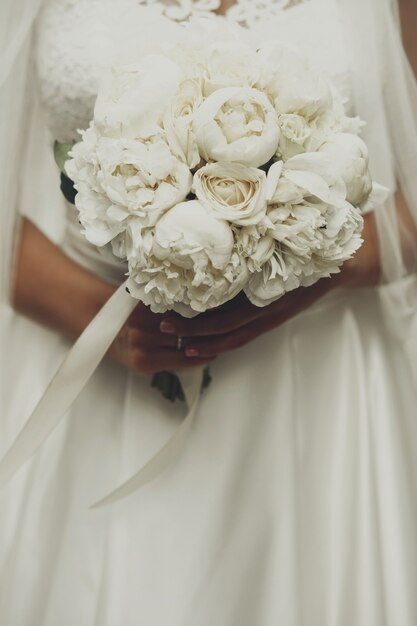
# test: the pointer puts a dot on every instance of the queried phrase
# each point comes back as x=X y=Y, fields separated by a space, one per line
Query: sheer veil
x=385 y=95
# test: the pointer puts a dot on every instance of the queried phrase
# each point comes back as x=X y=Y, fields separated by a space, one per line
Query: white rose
x=293 y=84
x=230 y=65
x=193 y=265
x=237 y=124
x=132 y=99
x=119 y=179
x=233 y=191
x=350 y=161
x=295 y=131
x=178 y=122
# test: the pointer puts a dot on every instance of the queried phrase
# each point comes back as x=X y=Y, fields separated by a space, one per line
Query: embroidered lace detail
x=78 y=39
x=181 y=10
x=246 y=12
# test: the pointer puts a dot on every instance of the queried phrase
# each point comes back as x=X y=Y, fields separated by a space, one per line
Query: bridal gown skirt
x=293 y=503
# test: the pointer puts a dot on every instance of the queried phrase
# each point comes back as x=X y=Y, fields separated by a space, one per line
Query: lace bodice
x=78 y=39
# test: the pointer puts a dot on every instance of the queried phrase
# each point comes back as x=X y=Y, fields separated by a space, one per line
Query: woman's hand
x=53 y=290
x=239 y=322
x=142 y=347
x=46 y=280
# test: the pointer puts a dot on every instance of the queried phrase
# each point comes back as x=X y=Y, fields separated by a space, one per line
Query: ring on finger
x=179 y=343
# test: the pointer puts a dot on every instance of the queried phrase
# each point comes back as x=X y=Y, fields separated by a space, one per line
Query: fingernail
x=191 y=352
x=167 y=327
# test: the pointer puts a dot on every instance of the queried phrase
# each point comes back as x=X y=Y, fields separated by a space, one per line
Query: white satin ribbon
x=191 y=381
x=68 y=382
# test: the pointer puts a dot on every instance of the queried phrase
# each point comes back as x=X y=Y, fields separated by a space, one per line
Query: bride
x=294 y=501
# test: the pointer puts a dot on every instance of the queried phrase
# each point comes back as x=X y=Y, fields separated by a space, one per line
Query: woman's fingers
x=154 y=339
x=290 y=305
x=212 y=323
x=151 y=362
x=154 y=344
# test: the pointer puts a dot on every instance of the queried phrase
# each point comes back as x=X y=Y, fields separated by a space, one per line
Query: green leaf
x=170 y=387
x=61 y=154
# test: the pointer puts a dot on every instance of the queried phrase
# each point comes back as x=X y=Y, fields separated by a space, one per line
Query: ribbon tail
x=69 y=380
x=191 y=381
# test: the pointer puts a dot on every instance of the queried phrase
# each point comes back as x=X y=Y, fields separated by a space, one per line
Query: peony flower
x=314 y=227
x=305 y=175
x=294 y=86
x=279 y=275
x=350 y=161
x=230 y=64
x=233 y=191
x=178 y=119
x=192 y=266
x=254 y=246
x=237 y=124
x=118 y=179
x=132 y=99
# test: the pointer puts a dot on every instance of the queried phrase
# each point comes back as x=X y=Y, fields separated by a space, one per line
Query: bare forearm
x=52 y=289
x=408 y=12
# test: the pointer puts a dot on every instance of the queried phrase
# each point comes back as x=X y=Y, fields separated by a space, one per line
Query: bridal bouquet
x=215 y=169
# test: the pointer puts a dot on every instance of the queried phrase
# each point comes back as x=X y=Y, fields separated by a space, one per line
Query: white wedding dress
x=294 y=502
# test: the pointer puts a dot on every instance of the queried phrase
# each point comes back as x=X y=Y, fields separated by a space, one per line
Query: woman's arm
x=408 y=13
x=53 y=290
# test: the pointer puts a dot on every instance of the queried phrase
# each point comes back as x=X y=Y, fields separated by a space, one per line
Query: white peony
x=233 y=191
x=305 y=175
x=132 y=99
x=178 y=122
x=118 y=179
x=230 y=64
x=192 y=266
x=237 y=124
x=294 y=86
x=314 y=227
x=350 y=161
x=254 y=246
x=279 y=275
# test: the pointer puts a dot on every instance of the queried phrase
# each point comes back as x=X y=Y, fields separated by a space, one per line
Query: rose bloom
x=233 y=191
x=295 y=131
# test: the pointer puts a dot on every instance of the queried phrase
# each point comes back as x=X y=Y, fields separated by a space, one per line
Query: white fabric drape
x=16 y=21
x=385 y=95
